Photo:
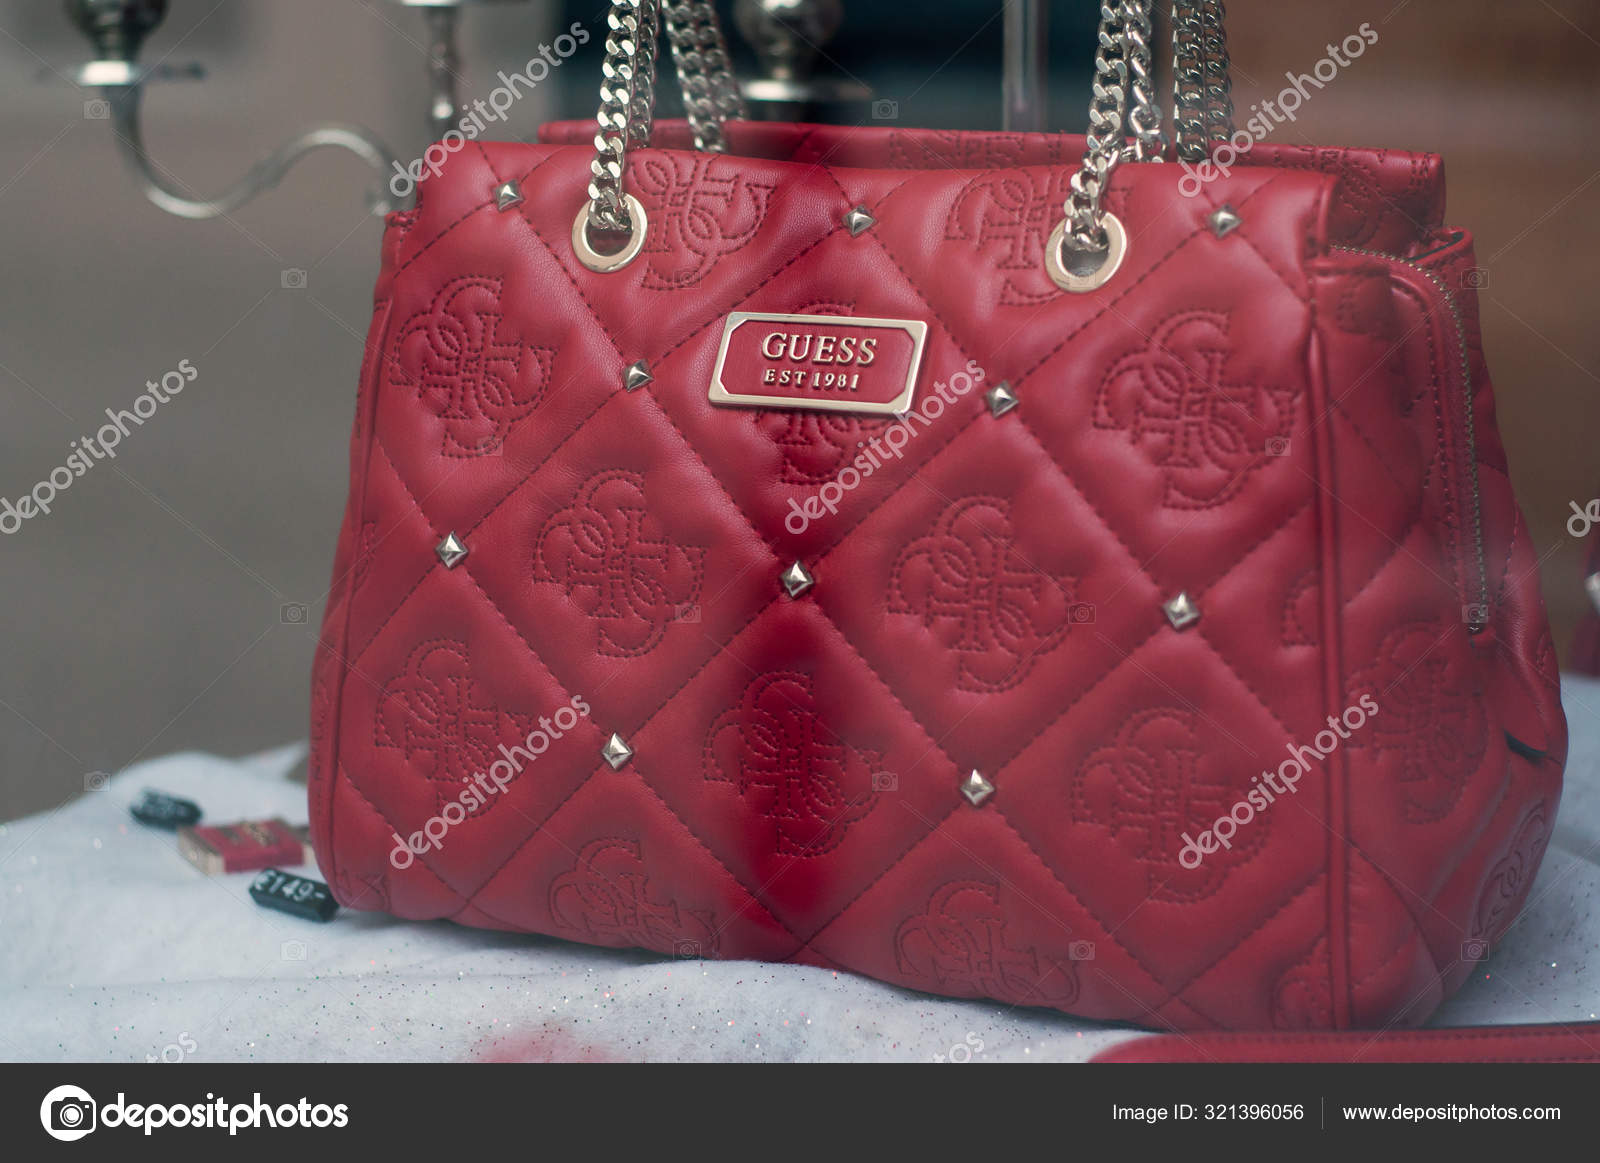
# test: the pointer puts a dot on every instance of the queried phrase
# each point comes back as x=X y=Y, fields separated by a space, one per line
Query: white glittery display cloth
x=112 y=948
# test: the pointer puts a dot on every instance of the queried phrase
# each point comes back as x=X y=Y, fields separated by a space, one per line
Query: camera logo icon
x=1278 y=446
x=687 y=950
x=294 y=279
x=885 y=110
x=1475 y=280
x=68 y=1113
x=1474 y=949
x=96 y=110
x=293 y=613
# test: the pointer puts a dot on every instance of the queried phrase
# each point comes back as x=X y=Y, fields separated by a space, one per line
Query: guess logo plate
x=821 y=363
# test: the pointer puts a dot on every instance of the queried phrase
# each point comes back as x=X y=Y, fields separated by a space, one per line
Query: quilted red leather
x=1275 y=423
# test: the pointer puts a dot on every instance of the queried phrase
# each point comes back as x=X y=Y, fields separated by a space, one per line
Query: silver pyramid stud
x=859 y=220
x=451 y=550
x=637 y=376
x=1181 y=612
x=797 y=580
x=1224 y=221
x=1001 y=399
x=976 y=788
x=616 y=752
x=507 y=195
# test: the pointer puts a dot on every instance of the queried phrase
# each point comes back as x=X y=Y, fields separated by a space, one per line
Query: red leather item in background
x=1579 y=1042
x=1275 y=426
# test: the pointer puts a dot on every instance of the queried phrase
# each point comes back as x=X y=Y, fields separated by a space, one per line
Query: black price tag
x=159 y=810
x=299 y=896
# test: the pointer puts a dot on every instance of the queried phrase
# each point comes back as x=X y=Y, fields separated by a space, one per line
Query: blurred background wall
x=146 y=613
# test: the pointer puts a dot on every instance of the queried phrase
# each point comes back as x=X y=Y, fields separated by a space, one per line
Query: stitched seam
x=350 y=782
x=709 y=851
x=1288 y=903
x=1155 y=978
x=335 y=712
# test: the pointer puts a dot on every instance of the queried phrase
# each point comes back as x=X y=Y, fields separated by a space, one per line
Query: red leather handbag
x=1013 y=566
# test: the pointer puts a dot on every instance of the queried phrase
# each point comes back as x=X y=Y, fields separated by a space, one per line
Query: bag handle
x=1087 y=247
x=627 y=95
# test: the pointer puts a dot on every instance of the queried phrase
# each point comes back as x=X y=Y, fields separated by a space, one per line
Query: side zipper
x=1480 y=620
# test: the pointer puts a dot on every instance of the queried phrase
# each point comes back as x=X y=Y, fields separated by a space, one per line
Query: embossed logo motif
x=971 y=586
x=1510 y=879
x=468 y=366
x=775 y=749
x=816 y=445
x=1433 y=733
x=439 y=717
x=1302 y=999
x=607 y=897
x=959 y=947
x=700 y=212
x=823 y=363
x=1013 y=213
x=1148 y=788
x=616 y=563
x=1174 y=401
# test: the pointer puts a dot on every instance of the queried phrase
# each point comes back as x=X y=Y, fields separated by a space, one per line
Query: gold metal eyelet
x=1110 y=263
x=606 y=263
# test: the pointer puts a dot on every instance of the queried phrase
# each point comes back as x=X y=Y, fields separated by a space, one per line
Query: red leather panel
x=1274 y=427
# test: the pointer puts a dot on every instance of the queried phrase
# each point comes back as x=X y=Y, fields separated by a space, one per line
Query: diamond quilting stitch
x=440 y=718
x=469 y=367
x=1432 y=731
x=1151 y=789
x=774 y=747
x=959 y=945
x=610 y=557
x=967 y=582
x=609 y=898
x=1174 y=401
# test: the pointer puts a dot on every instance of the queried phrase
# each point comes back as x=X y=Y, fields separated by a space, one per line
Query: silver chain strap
x=710 y=93
x=1202 y=92
x=627 y=92
x=619 y=85
x=1122 y=64
x=1145 y=118
x=1218 y=73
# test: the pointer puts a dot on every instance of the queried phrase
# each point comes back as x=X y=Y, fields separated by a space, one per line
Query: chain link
x=1123 y=72
x=1217 y=73
x=710 y=93
x=615 y=121
x=627 y=92
x=1145 y=117
x=1201 y=86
